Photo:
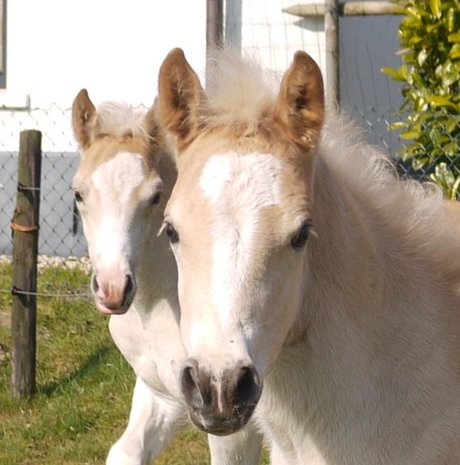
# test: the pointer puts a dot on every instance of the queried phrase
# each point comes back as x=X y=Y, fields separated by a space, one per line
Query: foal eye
x=170 y=232
x=156 y=198
x=78 y=197
x=299 y=239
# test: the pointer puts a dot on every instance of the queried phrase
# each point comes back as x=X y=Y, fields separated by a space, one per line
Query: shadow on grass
x=91 y=365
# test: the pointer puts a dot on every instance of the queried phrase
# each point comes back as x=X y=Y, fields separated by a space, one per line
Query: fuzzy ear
x=300 y=102
x=153 y=128
x=84 y=117
x=180 y=96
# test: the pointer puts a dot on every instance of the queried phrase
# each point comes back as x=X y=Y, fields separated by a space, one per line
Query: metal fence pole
x=332 y=10
x=331 y=28
x=214 y=28
x=25 y=250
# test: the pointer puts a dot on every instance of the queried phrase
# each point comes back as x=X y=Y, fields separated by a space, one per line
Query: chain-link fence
x=60 y=232
x=60 y=229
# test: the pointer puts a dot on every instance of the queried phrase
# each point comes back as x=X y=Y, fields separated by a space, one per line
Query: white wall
x=115 y=47
x=112 y=47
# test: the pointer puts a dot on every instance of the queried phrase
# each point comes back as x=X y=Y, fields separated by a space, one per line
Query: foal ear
x=179 y=97
x=301 y=101
x=84 y=117
x=153 y=128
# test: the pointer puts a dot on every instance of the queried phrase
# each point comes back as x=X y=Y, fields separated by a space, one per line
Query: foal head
x=238 y=221
x=119 y=192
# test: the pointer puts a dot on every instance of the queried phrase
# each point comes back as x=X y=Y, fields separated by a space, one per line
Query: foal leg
x=241 y=448
x=153 y=423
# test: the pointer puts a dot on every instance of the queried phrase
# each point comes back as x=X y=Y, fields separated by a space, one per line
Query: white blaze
x=238 y=187
x=114 y=181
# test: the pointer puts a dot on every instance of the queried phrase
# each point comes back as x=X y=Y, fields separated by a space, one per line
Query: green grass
x=84 y=385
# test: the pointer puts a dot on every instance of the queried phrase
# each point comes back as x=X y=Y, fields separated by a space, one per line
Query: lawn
x=84 y=385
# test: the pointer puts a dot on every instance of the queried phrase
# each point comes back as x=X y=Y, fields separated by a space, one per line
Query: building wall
x=113 y=47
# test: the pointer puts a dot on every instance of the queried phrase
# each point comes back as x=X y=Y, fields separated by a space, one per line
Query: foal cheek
x=89 y=233
x=278 y=317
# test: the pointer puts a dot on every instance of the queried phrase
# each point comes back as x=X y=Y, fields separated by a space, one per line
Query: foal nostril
x=187 y=378
x=94 y=284
x=247 y=387
x=129 y=286
x=190 y=387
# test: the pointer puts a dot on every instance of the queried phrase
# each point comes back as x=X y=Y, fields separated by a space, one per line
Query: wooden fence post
x=25 y=249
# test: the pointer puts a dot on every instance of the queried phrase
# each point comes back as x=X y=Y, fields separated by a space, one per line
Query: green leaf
x=450 y=78
x=455 y=189
x=444 y=174
x=452 y=125
x=421 y=57
x=432 y=27
x=414 y=12
x=395 y=74
x=398 y=125
x=451 y=148
x=429 y=117
x=455 y=52
x=451 y=19
x=409 y=134
x=435 y=6
x=420 y=163
x=414 y=40
x=404 y=71
x=454 y=37
x=436 y=153
x=439 y=70
x=439 y=101
x=421 y=104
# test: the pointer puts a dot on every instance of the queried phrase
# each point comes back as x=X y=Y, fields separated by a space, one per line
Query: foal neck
x=344 y=261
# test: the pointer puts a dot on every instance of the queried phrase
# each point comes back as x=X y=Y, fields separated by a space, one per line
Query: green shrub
x=430 y=114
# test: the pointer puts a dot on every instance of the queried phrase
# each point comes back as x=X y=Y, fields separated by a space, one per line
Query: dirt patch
x=4 y=318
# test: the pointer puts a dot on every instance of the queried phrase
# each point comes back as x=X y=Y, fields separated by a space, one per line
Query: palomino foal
x=125 y=176
x=318 y=293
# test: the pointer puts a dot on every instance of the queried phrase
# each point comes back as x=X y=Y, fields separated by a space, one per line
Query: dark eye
x=156 y=198
x=78 y=197
x=299 y=239
x=171 y=233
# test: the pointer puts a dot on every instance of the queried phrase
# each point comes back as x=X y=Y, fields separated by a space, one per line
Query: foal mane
x=120 y=120
x=408 y=214
x=238 y=90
